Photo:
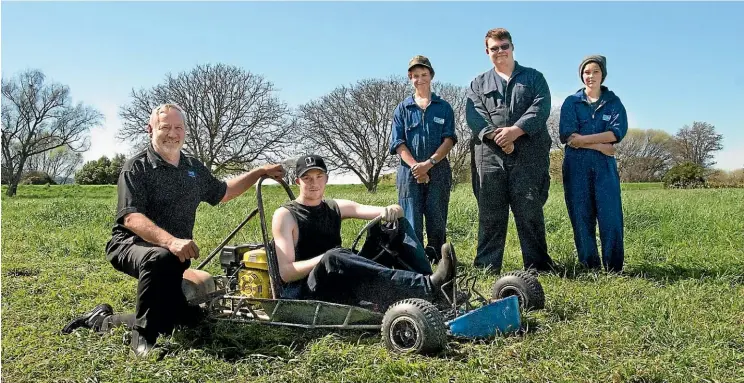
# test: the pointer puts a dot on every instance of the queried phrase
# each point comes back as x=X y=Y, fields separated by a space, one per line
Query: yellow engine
x=253 y=277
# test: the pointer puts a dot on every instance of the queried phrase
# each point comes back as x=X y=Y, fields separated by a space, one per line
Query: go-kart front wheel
x=524 y=285
x=414 y=326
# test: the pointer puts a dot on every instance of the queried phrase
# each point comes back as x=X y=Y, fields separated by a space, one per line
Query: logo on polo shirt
x=606 y=117
x=192 y=174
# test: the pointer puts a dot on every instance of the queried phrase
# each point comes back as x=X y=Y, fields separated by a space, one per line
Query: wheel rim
x=404 y=334
x=508 y=291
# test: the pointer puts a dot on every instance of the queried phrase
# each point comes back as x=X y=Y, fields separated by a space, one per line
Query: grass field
x=675 y=315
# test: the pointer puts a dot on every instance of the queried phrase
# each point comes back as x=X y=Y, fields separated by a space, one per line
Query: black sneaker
x=89 y=319
x=431 y=255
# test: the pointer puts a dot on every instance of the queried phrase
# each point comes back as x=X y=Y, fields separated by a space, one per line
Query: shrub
x=685 y=175
x=37 y=178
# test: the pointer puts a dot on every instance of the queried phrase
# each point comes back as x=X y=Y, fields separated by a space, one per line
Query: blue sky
x=671 y=63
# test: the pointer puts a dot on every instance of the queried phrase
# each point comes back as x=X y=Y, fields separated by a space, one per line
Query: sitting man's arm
x=351 y=209
x=283 y=228
x=139 y=224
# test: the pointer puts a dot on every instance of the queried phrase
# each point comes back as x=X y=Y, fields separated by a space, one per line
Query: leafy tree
x=103 y=171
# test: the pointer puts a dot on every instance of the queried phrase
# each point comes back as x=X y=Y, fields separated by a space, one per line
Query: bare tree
x=554 y=121
x=59 y=163
x=459 y=156
x=38 y=117
x=233 y=117
x=352 y=126
x=697 y=143
x=290 y=165
x=644 y=155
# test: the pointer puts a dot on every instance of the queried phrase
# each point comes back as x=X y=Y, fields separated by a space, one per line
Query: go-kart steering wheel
x=389 y=227
x=364 y=231
x=389 y=230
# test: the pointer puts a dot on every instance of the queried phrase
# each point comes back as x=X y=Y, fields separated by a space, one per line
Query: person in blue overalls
x=423 y=133
x=592 y=120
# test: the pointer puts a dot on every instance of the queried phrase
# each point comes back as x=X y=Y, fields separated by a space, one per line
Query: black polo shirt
x=166 y=194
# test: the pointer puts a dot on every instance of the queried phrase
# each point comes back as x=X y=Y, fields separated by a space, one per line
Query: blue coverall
x=591 y=181
x=423 y=131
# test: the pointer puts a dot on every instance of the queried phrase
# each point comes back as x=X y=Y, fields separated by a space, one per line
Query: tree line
x=236 y=120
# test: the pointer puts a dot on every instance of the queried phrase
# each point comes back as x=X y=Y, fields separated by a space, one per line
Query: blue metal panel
x=498 y=317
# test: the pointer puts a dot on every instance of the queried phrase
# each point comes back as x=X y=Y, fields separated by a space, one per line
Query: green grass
x=676 y=315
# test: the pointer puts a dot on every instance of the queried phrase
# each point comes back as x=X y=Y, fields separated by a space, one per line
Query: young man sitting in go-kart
x=312 y=265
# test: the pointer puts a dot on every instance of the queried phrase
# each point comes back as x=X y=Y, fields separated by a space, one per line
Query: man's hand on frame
x=275 y=171
x=392 y=213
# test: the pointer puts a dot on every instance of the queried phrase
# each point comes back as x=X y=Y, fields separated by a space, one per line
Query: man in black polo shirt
x=159 y=190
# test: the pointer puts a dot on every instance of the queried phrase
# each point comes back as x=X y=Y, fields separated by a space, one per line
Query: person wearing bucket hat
x=423 y=133
x=508 y=105
x=592 y=121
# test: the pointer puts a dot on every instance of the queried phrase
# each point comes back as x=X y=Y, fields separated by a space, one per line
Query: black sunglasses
x=502 y=47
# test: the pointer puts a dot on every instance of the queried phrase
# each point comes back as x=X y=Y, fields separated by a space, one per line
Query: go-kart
x=250 y=291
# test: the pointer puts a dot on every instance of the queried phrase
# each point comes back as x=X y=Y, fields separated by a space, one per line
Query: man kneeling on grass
x=312 y=264
x=159 y=191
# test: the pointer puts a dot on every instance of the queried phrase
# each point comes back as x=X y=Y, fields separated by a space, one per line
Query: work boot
x=90 y=319
x=142 y=343
x=446 y=270
x=432 y=255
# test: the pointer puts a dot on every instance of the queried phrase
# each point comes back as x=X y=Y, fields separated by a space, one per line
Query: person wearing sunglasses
x=423 y=133
x=592 y=120
x=507 y=110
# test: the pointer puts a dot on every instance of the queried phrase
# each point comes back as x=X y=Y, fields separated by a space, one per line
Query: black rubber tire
x=524 y=285
x=414 y=326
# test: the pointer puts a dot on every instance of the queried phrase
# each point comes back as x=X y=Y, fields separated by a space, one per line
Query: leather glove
x=392 y=213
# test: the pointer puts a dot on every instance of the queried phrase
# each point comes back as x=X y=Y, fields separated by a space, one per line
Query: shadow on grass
x=21 y=272
x=231 y=341
x=671 y=273
x=461 y=349
x=660 y=273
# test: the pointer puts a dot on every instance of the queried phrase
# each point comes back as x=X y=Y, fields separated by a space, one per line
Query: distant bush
x=556 y=165
x=723 y=179
x=104 y=171
x=37 y=178
x=686 y=175
x=388 y=178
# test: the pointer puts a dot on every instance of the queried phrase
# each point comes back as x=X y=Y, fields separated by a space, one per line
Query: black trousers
x=347 y=278
x=160 y=301
x=474 y=178
x=505 y=183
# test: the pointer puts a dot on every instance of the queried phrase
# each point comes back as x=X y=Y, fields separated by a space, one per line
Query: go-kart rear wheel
x=524 y=285
x=414 y=326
